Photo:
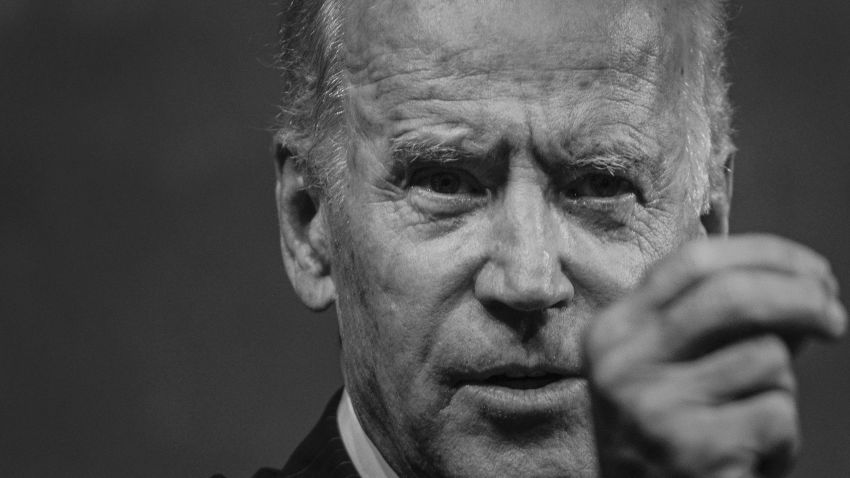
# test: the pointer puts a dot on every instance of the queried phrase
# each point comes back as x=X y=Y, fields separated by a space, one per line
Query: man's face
x=514 y=168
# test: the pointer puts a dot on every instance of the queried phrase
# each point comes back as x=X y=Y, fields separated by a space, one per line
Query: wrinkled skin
x=515 y=169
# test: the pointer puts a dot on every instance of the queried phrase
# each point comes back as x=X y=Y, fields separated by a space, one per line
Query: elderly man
x=519 y=210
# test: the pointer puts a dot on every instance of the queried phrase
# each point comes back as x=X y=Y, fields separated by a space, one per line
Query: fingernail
x=838 y=318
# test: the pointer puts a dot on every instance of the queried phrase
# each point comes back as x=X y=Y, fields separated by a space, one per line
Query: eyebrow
x=607 y=156
x=408 y=151
x=612 y=157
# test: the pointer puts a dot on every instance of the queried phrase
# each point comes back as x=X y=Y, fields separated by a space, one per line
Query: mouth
x=517 y=376
x=521 y=381
x=521 y=392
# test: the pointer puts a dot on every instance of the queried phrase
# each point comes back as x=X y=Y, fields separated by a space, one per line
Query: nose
x=525 y=267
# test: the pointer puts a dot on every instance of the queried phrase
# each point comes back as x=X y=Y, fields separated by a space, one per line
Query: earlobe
x=303 y=234
x=715 y=220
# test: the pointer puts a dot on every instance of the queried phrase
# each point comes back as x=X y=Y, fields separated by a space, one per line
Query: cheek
x=397 y=290
x=603 y=269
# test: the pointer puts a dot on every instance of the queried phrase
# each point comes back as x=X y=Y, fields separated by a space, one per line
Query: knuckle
x=775 y=359
x=771 y=349
x=778 y=418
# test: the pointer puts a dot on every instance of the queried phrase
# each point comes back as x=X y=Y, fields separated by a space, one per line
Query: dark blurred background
x=147 y=326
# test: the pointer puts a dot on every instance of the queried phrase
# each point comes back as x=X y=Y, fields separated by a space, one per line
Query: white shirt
x=366 y=458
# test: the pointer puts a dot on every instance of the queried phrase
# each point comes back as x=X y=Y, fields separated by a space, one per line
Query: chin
x=476 y=443
x=539 y=460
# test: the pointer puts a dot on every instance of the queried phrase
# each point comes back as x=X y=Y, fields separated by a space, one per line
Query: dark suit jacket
x=321 y=455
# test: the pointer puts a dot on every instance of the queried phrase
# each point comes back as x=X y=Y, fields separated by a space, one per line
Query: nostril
x=526 y=324
x=522 y=290
x=530 y=303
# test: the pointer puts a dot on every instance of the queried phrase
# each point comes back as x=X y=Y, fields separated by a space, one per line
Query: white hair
x=311 y=59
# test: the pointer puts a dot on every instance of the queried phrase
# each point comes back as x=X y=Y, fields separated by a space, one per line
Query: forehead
x=580 y=71
x=493 y=35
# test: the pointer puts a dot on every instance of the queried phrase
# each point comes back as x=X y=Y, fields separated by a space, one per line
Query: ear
x=716 y=219
x=303 y=232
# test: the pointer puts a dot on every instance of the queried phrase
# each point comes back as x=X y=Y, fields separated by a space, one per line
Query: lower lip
x=505 y=402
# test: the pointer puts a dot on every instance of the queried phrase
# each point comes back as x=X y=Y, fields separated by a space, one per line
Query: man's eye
x=446 y=181
x=598 y=185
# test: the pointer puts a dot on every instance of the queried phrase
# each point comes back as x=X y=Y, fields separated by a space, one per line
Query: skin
x=691 y=374
x=516 y=170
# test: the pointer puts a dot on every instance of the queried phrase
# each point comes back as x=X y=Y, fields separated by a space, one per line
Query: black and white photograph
x=425 y=238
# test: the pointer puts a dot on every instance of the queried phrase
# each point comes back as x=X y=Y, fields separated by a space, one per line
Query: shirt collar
x=366 y=458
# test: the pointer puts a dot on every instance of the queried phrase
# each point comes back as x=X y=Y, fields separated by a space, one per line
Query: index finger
x=699 y=259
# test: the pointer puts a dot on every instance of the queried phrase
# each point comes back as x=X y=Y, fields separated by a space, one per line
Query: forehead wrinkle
x=614 y=112
x=398 y=68
x=392 y=69
x=459 y=101
x=407 y=75
x=422 y=34
x=378 y=63
x=590 y=138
